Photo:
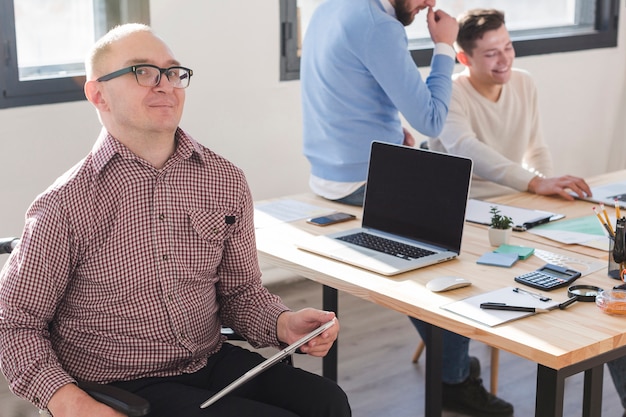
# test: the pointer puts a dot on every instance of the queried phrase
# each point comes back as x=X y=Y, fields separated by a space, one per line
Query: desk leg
x=550 y=390
x=329 y=363
x=592 y=399
x=434 y=362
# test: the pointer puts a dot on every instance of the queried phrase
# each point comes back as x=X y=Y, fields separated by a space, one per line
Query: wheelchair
x=121 y=400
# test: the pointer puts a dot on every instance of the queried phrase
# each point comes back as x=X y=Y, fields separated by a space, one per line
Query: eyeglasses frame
x=133 y=69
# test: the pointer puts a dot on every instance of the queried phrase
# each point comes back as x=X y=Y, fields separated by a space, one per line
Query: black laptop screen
x=417 y=194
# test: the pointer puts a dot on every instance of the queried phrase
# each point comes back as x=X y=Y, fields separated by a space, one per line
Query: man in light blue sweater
x=357 y=76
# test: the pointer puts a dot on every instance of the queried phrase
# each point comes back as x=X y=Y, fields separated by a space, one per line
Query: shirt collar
x=106 y=147
x=388 y=7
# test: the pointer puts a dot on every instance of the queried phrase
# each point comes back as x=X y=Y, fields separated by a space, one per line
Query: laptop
x=607 y=194
x=415 y=199
x=282 y=354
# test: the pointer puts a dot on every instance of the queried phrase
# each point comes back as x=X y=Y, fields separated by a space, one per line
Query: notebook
x=413 y=197
x=607 y=194
x=266 y=364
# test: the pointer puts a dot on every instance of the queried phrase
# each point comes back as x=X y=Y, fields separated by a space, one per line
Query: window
x=44 y=43
x=544 y=27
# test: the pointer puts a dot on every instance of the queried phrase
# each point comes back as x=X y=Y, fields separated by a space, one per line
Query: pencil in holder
x=617 y=251
x=614 y=267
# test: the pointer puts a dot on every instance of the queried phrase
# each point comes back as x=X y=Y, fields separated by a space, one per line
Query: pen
x=606 y=226
x=606 y=217
x=532 y=294
x=537 y=222
x=504 y=306
x=617 y=212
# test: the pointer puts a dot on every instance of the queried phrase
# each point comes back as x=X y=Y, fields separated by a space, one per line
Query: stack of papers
x=285 y=210
x=585 y=230
x=498 y=259
x=523 y=252
x=505 y=255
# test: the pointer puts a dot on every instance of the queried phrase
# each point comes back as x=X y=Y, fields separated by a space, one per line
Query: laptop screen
x=417 y=194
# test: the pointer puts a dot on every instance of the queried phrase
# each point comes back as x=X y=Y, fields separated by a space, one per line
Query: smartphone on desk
x=331 y=219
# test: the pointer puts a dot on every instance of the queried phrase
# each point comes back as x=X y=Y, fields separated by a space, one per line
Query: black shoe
x=470 y=397
x=474 y=367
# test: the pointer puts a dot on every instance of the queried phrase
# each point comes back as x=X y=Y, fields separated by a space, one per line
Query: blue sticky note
x=498 y=259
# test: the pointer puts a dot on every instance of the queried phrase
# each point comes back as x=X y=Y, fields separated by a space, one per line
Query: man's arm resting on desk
x=559 y=186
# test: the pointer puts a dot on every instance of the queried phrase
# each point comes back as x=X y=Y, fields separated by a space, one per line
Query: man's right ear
x=461 y=56
x=93 y=93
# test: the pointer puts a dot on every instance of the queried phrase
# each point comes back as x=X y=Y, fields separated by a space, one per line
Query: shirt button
x=161 y=216
x=165 y=257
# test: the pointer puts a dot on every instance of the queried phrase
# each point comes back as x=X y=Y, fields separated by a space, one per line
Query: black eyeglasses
x=148 y=75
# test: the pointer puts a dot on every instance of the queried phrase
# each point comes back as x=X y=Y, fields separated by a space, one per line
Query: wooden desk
x=562 y=343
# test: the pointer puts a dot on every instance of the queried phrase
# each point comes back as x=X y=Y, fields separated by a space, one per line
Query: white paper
x=470 y=307
x=285 y=210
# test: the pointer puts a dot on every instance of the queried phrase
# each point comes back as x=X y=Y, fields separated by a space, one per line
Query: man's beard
x=404 y=15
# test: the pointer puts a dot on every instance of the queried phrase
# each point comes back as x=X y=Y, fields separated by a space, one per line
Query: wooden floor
x=375 y=369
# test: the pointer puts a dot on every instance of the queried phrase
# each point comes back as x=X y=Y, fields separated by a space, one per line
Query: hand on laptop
x=560 y=185
x=293 y=325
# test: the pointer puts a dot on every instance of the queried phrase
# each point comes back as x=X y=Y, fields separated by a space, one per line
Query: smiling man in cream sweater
x=494 y=116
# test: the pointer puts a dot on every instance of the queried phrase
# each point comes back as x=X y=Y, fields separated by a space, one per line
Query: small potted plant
x=500 y=228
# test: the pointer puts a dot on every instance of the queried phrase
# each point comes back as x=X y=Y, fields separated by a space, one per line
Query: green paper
x=586 y=224
x=523 y=252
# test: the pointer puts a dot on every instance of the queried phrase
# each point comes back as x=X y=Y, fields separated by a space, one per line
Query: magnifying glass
x=585 y=293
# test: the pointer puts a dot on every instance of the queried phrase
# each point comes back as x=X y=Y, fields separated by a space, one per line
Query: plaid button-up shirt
x=125 y=271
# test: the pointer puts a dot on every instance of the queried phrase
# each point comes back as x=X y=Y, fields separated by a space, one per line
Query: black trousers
x=280 y=391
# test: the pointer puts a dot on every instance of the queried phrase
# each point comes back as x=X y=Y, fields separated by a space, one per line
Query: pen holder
x=614 y=267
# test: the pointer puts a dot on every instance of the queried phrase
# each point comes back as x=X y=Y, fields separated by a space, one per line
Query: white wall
x=237 y=106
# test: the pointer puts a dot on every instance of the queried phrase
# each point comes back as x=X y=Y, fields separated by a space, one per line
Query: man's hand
x=442 y=26
x=409 y=140
x=71 y=401
x=559 y=185
x=295 y=325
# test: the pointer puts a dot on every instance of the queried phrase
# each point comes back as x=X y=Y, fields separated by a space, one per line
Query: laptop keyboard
x=390 y=247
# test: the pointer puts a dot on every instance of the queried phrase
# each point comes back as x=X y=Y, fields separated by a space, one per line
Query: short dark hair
x=474 y=23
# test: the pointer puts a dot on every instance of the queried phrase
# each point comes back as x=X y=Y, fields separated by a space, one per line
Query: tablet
x=267 y=364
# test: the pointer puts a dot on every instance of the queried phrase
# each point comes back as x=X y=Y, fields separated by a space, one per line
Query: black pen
x=536 y=222
x=507 y=307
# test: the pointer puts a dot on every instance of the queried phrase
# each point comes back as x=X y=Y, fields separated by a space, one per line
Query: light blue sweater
x=356 y=74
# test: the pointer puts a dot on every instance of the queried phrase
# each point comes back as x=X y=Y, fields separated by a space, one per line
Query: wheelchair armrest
x=230 y=334
x=121 y=400
x=7 y=244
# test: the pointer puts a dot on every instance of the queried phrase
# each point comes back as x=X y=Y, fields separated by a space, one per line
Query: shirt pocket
x=206 y=239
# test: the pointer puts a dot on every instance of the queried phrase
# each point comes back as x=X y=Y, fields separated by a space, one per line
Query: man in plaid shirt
x=130 y=263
